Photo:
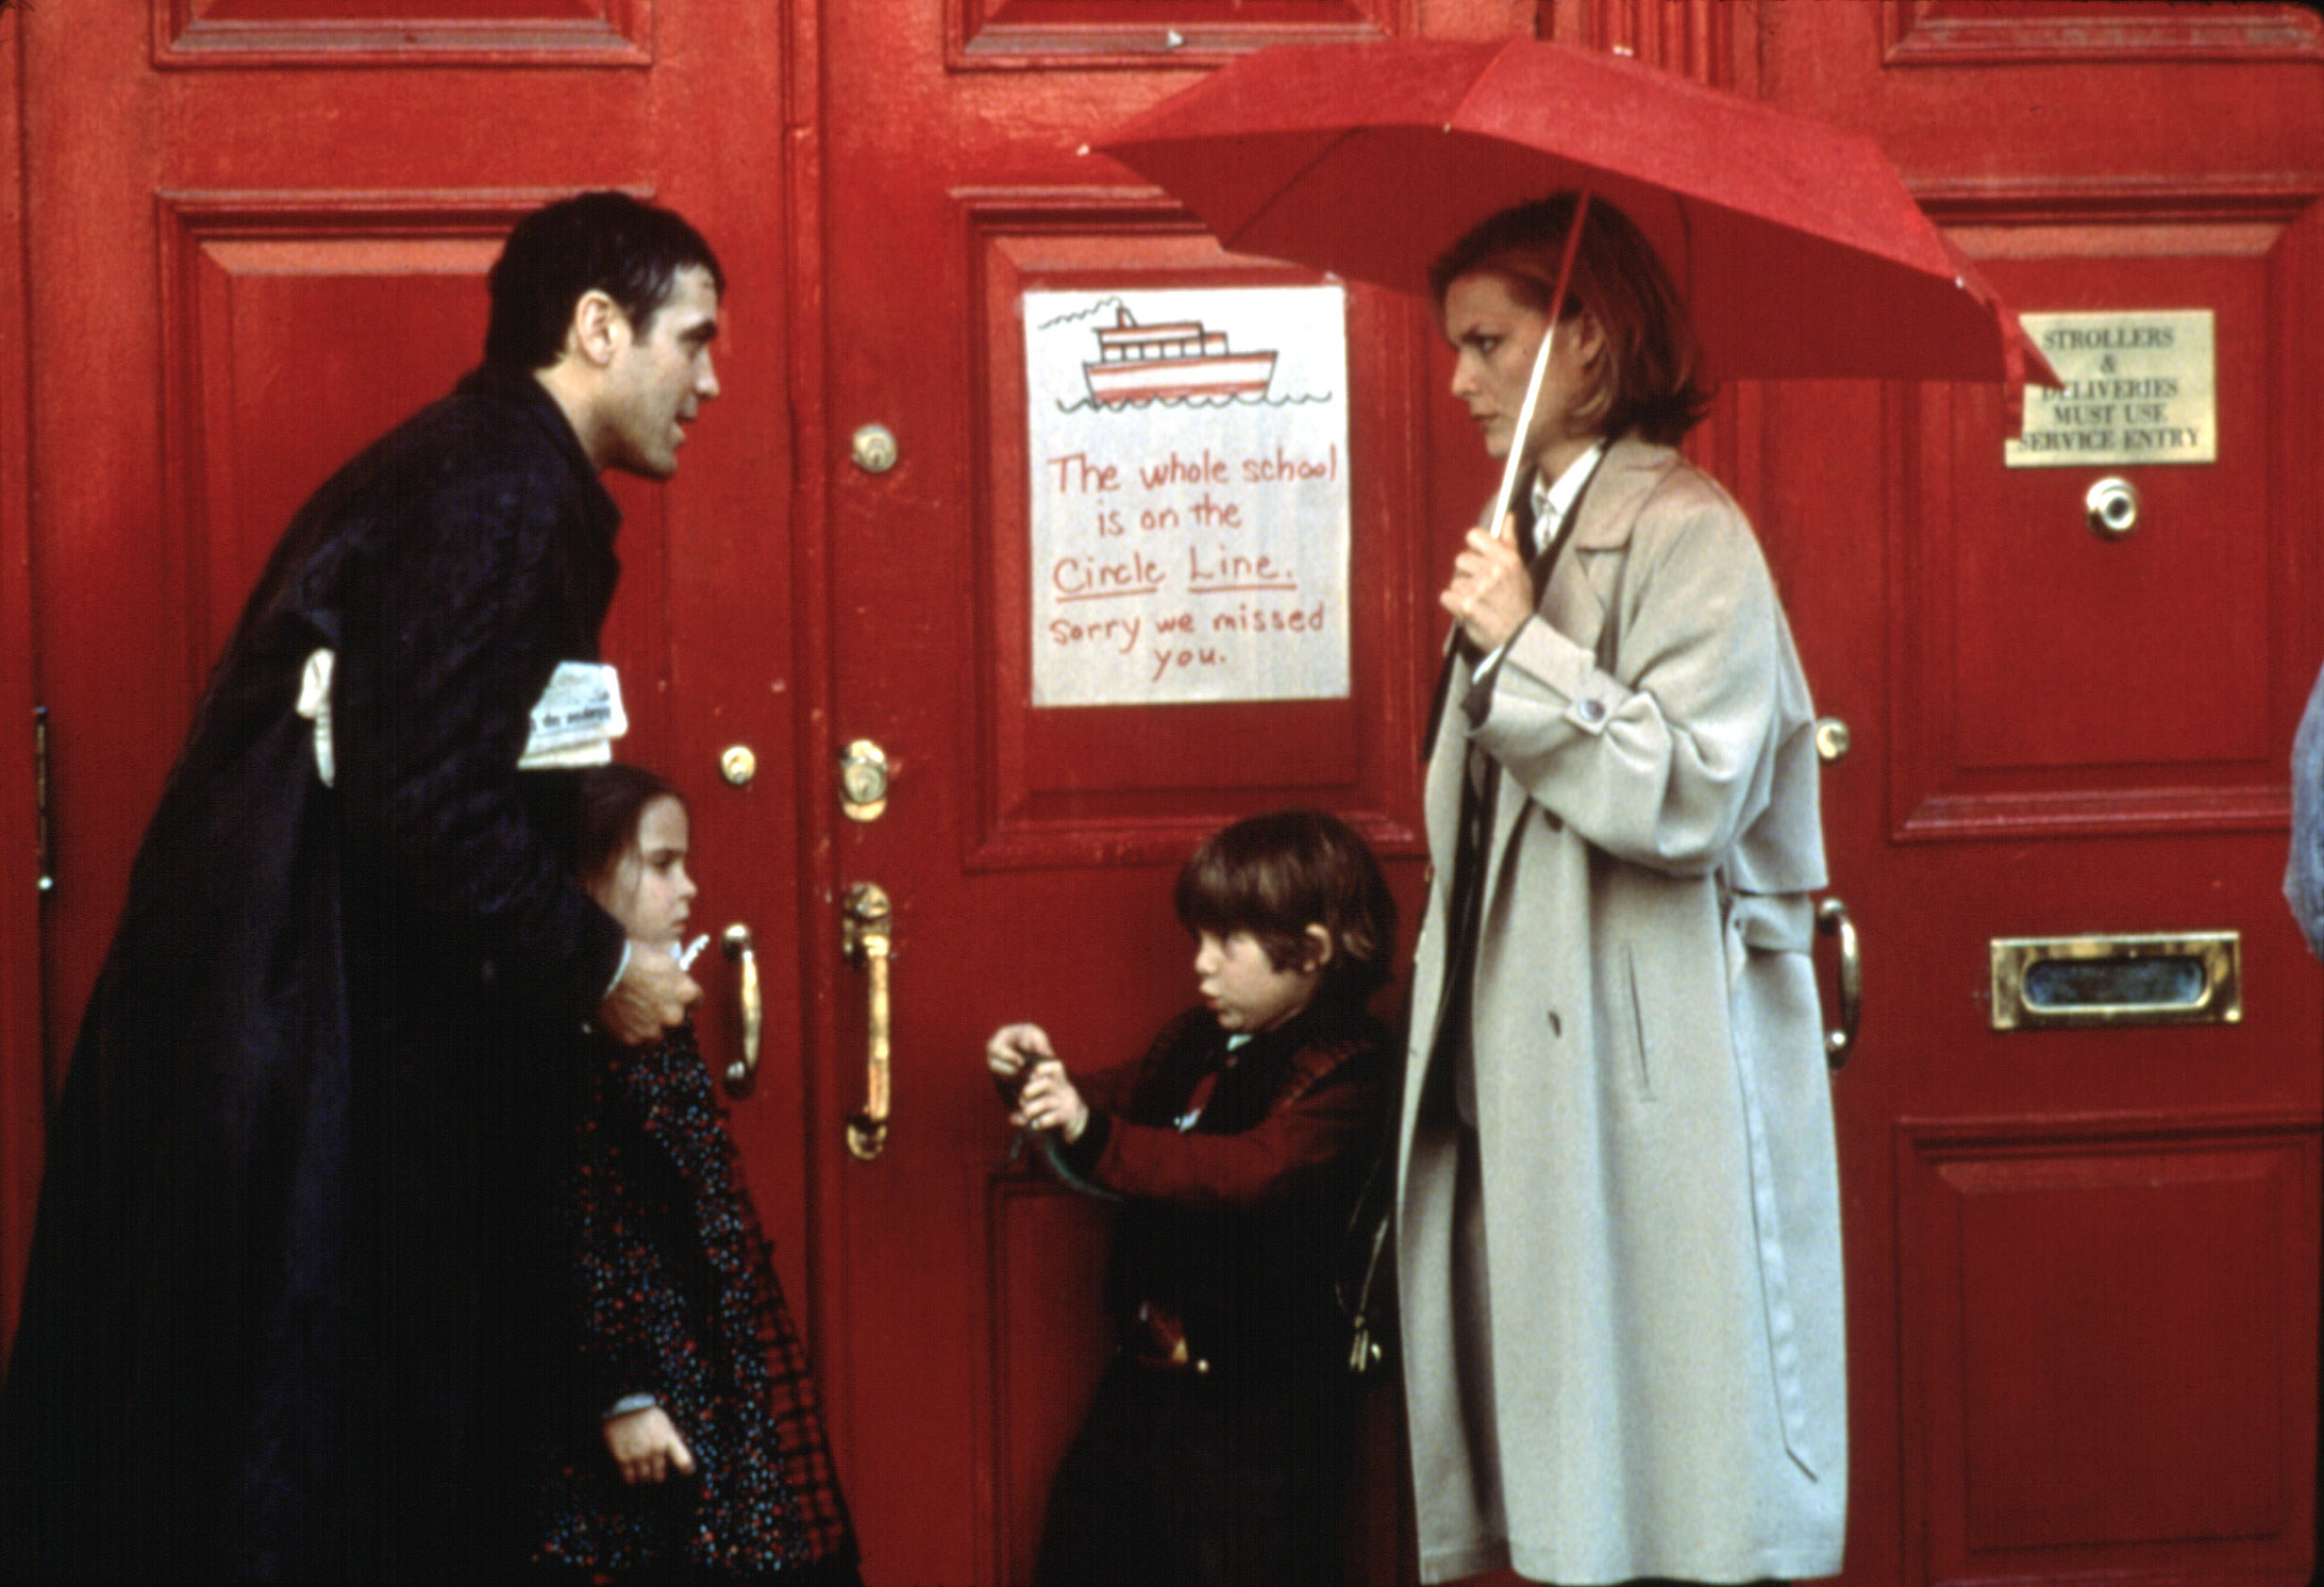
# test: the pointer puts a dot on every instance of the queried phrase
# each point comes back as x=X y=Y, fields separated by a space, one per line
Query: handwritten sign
x=1188 y=472
x=2140 y=388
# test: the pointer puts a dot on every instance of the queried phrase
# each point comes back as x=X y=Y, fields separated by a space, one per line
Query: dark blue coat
x=274 y=1276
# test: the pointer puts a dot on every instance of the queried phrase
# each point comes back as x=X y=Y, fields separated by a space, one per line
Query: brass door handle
x=1832 y=921
x=743 y=1073
x=865 y=937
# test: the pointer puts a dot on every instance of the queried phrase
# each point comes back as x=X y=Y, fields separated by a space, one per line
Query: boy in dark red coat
x=1216 y=1449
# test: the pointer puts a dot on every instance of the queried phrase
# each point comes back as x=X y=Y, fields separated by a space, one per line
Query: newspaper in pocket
x=579 y=718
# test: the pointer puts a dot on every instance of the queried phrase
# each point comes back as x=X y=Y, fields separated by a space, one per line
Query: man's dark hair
x=596 y=241
x=613 y=800
x=1647 y=379
x=1276 y=875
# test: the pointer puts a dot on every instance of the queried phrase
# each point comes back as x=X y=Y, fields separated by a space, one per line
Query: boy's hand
x=645 y=1446
x=1014 y=1047
x=1049 y=1101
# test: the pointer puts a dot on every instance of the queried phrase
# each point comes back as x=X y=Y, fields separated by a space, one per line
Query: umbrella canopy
x=1795 y=244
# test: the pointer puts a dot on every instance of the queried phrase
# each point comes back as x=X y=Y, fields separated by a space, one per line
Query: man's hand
x=647 y=1447
x=651 y=998
x=1491 y=593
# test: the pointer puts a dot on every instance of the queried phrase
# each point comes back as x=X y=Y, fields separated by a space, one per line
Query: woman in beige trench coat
x=1618 y=1244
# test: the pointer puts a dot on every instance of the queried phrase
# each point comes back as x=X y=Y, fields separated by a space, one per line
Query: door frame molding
x=23 y=1070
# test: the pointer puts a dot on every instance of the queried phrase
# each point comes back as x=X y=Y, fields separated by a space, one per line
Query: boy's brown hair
x=1276 y=875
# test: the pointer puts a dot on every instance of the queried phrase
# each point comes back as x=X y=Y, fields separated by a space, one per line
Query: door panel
x=2109 y=1347
x=266 y=392
x=2171 y=711
x=1113 y=784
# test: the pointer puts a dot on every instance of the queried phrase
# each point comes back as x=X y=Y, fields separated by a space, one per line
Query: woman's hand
x=1049 y=1101
x=645 y=1446
x=1014 y=1047
x=1490 y=594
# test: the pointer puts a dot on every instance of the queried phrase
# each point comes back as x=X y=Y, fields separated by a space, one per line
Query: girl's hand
x=645 y=1446
x=1049 y=1101
x=1491 y=593
x=1012 y=1047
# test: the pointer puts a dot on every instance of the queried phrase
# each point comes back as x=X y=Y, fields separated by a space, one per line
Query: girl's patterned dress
x=678 y=1298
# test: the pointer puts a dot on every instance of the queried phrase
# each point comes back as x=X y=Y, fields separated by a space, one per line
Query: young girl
x=1216 y=1450
x=689 y=1443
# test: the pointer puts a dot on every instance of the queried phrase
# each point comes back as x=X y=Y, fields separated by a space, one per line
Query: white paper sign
x=1189 y=473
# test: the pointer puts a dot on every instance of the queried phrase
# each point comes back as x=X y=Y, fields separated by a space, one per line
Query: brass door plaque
x=2141 y=386
x=2053 y=982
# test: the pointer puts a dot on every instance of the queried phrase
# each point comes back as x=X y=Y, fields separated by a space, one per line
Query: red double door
x=2082 y=1257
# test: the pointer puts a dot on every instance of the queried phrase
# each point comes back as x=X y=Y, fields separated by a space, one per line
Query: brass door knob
x=873 y=448
x=2112 y=508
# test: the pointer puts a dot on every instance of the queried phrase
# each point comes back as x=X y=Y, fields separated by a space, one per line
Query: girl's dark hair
x=1275 y=876
x=613 y=798
x=595 y=242
x=1647 y=379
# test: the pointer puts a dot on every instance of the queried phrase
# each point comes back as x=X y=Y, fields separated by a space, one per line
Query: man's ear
x=1318 y=950
x=598 y=331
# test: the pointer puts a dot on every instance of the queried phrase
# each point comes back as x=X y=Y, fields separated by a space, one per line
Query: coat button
x=1557 y=1026
x=1591 y=709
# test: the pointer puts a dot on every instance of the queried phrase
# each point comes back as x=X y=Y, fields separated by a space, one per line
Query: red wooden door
x=2082 y=1259
x=254 y=236
x=1029 y=849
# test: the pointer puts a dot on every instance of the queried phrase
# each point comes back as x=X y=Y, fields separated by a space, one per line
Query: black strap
x=1481 y=788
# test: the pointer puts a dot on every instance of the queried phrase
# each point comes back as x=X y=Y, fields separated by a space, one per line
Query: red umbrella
x=1796 y=244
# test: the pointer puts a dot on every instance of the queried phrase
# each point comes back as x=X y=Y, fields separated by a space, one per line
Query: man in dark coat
x=276 y=1289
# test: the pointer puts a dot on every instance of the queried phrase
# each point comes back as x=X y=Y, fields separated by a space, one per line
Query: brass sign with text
x=2140 y=388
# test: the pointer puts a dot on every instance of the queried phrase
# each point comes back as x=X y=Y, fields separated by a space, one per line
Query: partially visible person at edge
x=686 y=1440
x=1215 y=1452
x=1618 y=1241
x=269 y=1331
x=2303 y=870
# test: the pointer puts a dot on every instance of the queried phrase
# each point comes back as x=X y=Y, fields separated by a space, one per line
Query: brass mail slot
x=2041 y=983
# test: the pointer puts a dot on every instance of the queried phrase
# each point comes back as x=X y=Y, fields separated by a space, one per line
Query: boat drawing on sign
x=1171 y=362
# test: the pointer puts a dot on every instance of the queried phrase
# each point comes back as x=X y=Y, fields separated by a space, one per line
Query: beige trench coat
x=1641 y=1373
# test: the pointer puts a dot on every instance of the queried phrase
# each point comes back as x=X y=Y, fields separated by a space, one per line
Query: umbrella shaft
x=1515 y=465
